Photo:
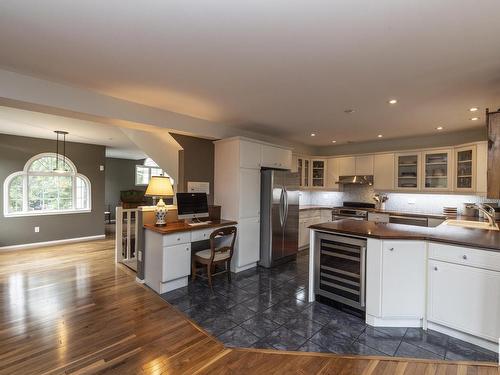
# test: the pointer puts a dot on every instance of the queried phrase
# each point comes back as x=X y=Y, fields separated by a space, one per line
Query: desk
x=168 y=252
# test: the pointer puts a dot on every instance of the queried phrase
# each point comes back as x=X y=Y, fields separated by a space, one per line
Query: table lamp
x=160 y=187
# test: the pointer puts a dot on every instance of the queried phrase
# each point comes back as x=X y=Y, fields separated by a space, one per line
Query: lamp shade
x=159 y=186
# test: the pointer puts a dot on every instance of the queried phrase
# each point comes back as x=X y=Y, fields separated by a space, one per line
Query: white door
x=407 y=167
x=465 y=169
x=250 y=154
x=176 y=262
x=318 y=173
x=276 y=157
x=332 y=173
x=347 y=166
x=249 y=192
x=248 y=242
x=403 y=279
x=465 y=298
x=383 y=172
x=303 y=233
x=437 y=170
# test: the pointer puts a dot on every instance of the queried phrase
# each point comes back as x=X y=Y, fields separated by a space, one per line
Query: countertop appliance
x=352 y=210
x=340 y=269
x=279 y=217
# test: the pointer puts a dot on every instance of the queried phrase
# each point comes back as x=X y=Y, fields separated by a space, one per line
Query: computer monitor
x=192 y=205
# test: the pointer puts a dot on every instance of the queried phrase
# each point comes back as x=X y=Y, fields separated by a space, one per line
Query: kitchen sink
x=470 y=224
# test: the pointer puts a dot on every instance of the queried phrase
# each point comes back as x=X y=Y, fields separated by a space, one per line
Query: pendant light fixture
x=60 y=169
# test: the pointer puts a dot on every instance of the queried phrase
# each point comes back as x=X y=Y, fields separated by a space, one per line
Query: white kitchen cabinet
x=383 y=172
x=407 y=170
x=332 y=173
x=481 y=167
x=248 y=242
x=347 y=166
x=403 y=282
x=276 y=157
x=176 y=262
x=364 y=165
x=318 y=173
x=326 y=216
x=465 y=169
x=250 y=154
x=395 y=283
x=303 y=233
x=437 y=170
x=250 y=190
x=464 y=298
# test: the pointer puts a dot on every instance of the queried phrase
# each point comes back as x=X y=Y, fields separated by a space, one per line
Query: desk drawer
x=176 y=238
x=465 y=256
x=202 y=234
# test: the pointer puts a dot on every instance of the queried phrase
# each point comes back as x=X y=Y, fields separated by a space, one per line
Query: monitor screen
x=191 y=205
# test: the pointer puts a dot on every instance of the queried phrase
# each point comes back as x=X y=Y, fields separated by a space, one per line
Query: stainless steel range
x=352 y=210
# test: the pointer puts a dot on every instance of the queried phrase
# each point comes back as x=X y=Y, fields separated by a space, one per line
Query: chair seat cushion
x=206 y=254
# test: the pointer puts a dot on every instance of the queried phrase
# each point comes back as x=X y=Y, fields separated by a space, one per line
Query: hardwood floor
x=70 y=309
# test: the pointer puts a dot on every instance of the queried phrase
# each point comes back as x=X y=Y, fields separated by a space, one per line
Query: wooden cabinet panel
x=364 y=165
x=383 y=172
x=403 y=280
x=493 y=121
x=249 y=193
x=250 y=154
x=347 y=166
x=464 y=298
x=482 y=167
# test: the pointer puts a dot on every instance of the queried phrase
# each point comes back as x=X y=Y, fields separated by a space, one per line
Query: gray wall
x=14 y=153
x=196 y=162
x=120 y=175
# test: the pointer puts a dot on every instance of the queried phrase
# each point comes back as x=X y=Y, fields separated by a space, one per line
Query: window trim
x=25 y=173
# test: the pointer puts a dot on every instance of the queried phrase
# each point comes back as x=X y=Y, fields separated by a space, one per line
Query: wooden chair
x=214 y=256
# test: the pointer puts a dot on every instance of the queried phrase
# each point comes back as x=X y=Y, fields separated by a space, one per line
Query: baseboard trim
x=51 y=243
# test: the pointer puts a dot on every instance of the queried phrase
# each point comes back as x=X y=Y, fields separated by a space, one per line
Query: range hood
x=355 y=180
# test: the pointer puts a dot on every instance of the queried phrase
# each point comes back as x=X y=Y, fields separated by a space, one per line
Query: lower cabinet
x=247 y=250
x=464 y=298
x=308 y=218
x=395 y=283
x=176 y=262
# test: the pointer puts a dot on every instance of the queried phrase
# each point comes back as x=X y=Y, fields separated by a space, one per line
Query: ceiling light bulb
x=313 y=134
x=473 y=109
x=380 y=136
x=350 y=110
x=475 y=118
x=334 y=141
x=439 y=128
x=392 y=101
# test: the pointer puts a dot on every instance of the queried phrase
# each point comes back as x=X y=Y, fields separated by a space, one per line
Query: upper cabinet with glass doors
x=407 y=171
x=465 y=165
x=318 y=172
x=437 y=170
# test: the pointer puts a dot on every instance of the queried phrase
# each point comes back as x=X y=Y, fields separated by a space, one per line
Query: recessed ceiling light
x=334 y=141
x=473 y=109
x=392 y=101
x=380 y=136
x=439 y=128
x=313 y=134
x=474 y=118
x=350 y=110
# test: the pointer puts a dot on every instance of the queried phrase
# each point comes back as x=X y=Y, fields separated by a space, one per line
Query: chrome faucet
x=488 y=211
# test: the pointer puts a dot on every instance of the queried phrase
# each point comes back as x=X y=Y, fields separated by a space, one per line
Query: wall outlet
x=101 y=168
x=37 y=229
x=412 y=201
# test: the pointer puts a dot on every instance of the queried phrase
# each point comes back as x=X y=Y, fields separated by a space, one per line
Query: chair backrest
x=226 y=233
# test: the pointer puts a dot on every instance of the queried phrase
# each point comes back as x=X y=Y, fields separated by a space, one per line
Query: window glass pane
x=141 y=175
x=156 y=172
x=16 y=194
x=46 y=193
x=150 y=163
x=49 y=164
x=81 y=194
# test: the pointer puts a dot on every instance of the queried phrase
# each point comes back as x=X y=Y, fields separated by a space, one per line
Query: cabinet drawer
x=200 y=235
x=176 y=262
x=176 y=238
x=466 y=256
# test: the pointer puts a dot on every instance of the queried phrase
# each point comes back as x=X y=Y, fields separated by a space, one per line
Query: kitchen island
x=445 y=278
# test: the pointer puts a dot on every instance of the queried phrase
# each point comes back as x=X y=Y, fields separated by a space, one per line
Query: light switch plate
x=37 y=229
x=101 y=168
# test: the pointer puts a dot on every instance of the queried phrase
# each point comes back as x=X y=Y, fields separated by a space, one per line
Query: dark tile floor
x=268 y=308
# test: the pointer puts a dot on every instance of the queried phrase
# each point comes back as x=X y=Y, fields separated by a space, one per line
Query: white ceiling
x=40 y=125
x=282 y=67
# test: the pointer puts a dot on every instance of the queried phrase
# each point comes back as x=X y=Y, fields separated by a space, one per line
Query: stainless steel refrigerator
x=279 y=216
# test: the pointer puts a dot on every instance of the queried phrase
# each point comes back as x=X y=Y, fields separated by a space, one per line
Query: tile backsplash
x=428 y=203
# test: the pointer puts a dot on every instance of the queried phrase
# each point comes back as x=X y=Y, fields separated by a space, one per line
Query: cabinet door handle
x=391 y=249
x=464 y=257
x=435 y=268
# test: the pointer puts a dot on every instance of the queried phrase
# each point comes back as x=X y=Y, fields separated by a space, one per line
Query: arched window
x=46 y=186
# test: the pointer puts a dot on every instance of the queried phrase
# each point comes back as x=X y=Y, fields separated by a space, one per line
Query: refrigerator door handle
x=281 y=209
x=285 y=216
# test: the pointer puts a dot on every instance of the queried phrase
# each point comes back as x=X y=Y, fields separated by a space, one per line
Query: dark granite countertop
x=182 y=226
x=313 y=207
x=479 y=238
